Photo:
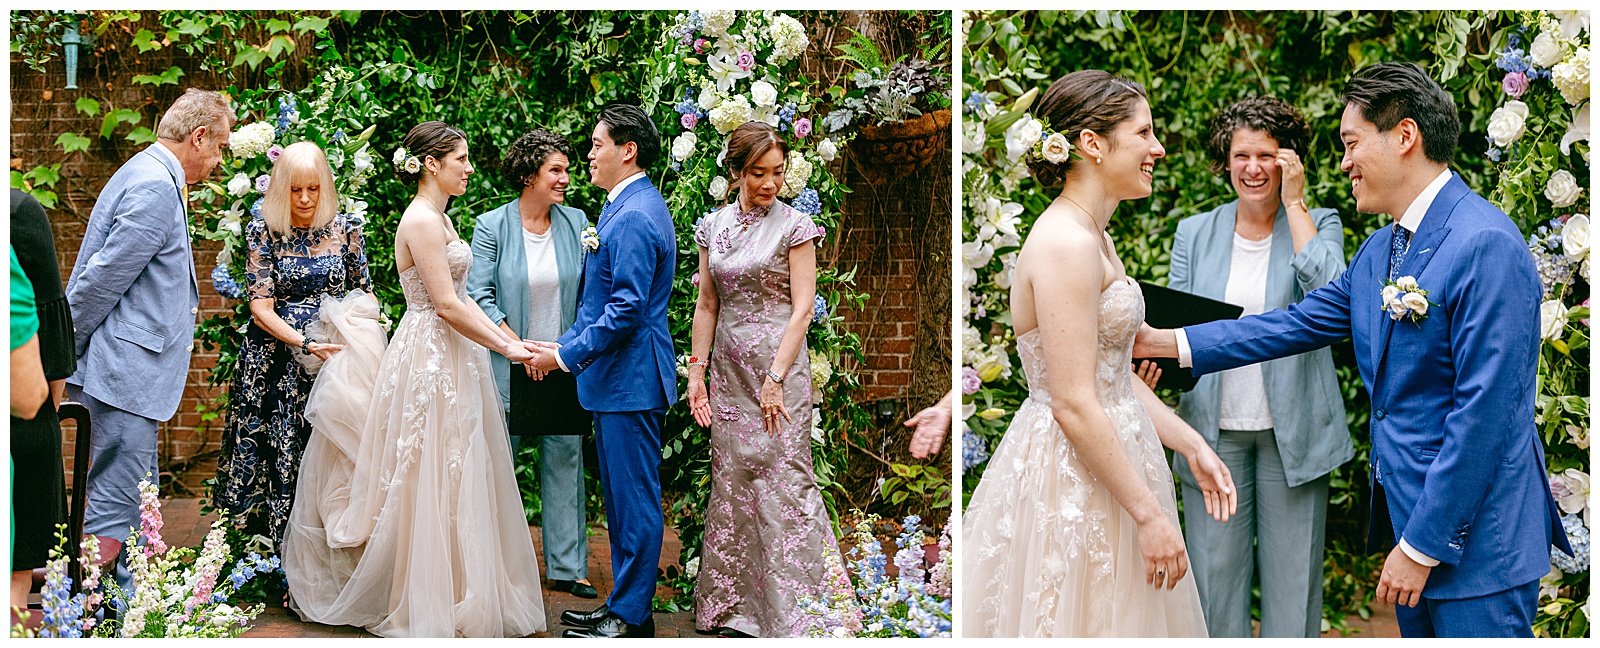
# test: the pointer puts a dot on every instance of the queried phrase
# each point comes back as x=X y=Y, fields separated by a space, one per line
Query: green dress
x=24 y=325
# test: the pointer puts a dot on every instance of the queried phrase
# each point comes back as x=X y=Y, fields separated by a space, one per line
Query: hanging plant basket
x=903 y=148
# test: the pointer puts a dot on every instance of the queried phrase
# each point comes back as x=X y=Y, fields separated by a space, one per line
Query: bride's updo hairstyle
x=749 y=142
x=432 y=138
x=1092 y=100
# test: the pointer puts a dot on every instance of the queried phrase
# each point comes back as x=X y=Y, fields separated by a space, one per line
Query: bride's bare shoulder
x=1060 y=239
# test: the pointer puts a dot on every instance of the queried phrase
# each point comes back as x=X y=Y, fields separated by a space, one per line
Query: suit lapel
x=1424 y=247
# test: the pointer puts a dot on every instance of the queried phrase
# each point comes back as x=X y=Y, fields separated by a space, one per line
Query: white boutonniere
x=590 y=239
x=1404 y=299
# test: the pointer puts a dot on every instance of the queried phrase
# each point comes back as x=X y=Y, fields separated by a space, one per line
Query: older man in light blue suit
x=134 y=299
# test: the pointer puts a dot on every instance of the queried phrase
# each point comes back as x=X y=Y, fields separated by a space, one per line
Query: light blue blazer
x=133 y=291
x=498 y=280
x=1303 y=394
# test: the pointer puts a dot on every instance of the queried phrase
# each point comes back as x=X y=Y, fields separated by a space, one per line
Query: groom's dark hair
x=1390 y=92
x=629 y=123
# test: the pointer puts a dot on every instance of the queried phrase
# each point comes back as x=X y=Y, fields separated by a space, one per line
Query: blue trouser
x=1278 y=529
x=561 y=514
x=1507 y=613
x=122 y=452
x=629 y=445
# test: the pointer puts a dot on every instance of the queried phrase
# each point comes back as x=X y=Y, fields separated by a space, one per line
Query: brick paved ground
x=184 y=526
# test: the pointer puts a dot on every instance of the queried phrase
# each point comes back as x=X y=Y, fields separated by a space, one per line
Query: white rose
x=1406 y=283
x=827 y=150
x=1572 y=77
x=708 y=98
x=764 y=93
x=1390 y=293
x=1022 y=135
x=683 y=146
x=1056 y=147
x=1575 y=237
x=1508 y=123
x=1562 y=189
x=1545 y=50
x=240 y=184
x=398 y=157
x=1416 y=303
x=413 y=165
x=718 y=188
x=1552 y=319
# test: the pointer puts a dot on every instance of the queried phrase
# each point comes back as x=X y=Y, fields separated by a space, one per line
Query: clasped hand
x=538 y=358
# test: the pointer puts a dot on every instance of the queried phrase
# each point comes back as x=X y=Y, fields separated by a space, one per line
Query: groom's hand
x=544 y=356
x=1155 y=343
x=1402 y=580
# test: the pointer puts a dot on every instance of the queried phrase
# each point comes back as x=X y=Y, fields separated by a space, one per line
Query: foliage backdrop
x=1195 y=63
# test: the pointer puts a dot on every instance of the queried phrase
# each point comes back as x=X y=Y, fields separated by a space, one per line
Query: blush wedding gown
x=1047 y=550
x=407 y=519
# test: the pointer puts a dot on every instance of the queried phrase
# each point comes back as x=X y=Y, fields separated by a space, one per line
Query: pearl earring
x=1097 y=160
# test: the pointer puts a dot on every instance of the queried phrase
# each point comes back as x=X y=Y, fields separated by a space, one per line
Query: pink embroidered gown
x=766 y=528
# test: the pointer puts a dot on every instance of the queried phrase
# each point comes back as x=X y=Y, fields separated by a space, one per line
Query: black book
x=1165 y=308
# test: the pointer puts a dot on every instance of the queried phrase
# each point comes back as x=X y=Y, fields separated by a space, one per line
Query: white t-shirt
x=544 y=286
x=1244 y=390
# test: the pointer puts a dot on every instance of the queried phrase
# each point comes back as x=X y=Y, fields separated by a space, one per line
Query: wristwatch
x=775 y=377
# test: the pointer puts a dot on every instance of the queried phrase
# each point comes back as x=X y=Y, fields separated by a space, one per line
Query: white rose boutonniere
x=1404 y=299
x=590 y=239
x=1562 y=189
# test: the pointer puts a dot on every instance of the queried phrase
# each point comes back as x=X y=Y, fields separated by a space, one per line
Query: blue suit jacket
x=1302 y=391
x=1454 y=446
x=133 y=291
x=498 y=280
x=619 y=347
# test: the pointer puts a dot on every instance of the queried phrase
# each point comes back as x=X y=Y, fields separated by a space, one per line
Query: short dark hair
x=1270 y=115
x=1390 y=92
x=1092 y=100
x=529 y=153
x=430 y=138
x=749 y=142
x=629 y=123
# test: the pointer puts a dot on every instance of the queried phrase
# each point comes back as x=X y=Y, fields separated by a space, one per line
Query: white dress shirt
x=1411 y=219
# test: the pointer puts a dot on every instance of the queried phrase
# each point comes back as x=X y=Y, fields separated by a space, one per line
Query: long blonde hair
x=297 y=160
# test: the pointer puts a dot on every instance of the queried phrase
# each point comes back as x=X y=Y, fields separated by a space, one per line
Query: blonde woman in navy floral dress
x=300 y=248
x=766 y=530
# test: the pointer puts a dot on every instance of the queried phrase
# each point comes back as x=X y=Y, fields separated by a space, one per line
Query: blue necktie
x=1397 y=249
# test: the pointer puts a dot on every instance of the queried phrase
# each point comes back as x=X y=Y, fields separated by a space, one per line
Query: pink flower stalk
x=150 y=519
x=1515 y=84
x=212 y=557
x=689 y=121
x=802 y=127
x=746 y=61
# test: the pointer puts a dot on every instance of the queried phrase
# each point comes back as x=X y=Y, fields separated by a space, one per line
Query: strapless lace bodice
x=459 y=255
x=1121 y=313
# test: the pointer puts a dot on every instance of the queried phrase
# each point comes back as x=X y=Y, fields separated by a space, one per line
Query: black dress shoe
x=586 y=619
x=613 y=627
x=575 y=588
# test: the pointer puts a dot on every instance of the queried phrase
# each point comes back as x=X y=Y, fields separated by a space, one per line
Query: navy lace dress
x=266 y=433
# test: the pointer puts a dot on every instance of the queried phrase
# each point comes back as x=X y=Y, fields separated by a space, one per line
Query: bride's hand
x=517 y=351
x=1216 y=482
x=1165 y=558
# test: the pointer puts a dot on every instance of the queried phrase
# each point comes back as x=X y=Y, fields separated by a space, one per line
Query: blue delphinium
x=808 y=201
x=1512 y=60
x=224 y=283
x=786 y=114
x=819 y=310
x=287 y=113
x=688 y=105
x=1493 y=154
x=978 y=104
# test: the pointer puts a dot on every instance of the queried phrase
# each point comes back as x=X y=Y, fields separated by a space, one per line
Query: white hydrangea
x=764 y=94
x=1572 y=77
x=788 y=38
x=730 y=114
x=797 y=172
x=683 y=146
x=821 y=368
x=251 y=140
x=718 y=21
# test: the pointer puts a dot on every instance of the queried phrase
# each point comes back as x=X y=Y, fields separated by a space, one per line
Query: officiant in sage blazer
x=1280 y=425
x=527 y=259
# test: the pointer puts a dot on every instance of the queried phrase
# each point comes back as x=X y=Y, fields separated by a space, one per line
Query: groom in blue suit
x=620 y=351
x=1452 y=373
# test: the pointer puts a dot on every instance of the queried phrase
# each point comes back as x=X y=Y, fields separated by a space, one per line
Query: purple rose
x=262 y=181
x=746 y=60
x=273 y=153
x=689 y=121
x=1515 y=84
x=802 y=127
x=970 y=382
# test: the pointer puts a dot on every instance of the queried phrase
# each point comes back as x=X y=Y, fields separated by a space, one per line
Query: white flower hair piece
x=403 y=160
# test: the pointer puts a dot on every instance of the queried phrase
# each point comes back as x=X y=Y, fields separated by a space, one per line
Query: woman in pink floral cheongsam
x=766 y=528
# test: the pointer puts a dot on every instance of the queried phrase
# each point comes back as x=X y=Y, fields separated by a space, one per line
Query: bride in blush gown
x=407 y=519
x=1073 y=530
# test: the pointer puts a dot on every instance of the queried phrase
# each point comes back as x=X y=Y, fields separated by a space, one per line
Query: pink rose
x=802 y=127
x=689 y=121
x=700 y=45
x=746 y=60
x=273 y=153
x=970 y=382
x=1515 y=84
x=695 y=280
